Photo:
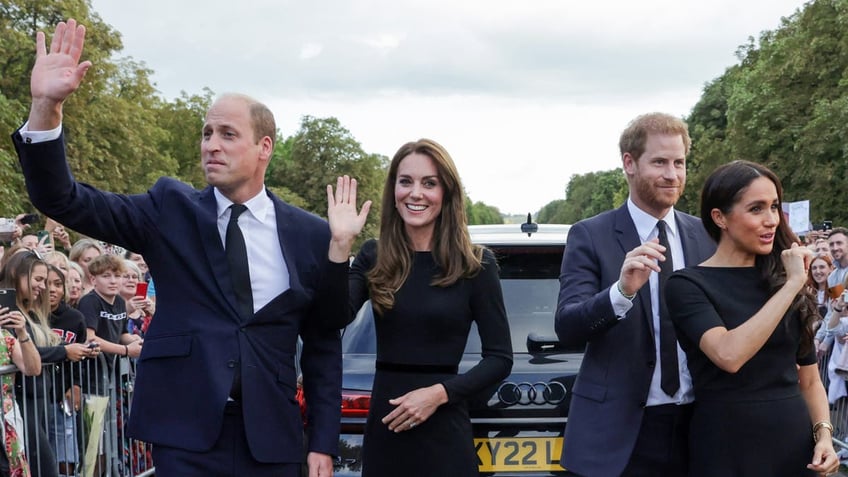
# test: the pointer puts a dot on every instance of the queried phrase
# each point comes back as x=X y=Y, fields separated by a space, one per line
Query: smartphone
x=43 y=234
x=29 y=219
x=8 y=298
x=827 y=225
x=141 y=289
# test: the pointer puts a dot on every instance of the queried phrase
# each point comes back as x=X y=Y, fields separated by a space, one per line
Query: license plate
x=507 y=454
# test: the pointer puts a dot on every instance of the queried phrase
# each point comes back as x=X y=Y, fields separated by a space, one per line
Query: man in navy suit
x=622 y=419
x=216 y=381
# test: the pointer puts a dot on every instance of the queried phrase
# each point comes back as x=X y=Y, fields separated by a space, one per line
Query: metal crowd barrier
x=83 y=439
x=838 y=405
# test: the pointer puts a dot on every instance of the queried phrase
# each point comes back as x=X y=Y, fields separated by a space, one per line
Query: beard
x=657 y=195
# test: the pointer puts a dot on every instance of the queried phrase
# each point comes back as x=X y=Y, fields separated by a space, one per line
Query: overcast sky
x=523 y=94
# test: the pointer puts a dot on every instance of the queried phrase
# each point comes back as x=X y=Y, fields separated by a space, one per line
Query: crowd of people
x=701 y=333
x=44 y=402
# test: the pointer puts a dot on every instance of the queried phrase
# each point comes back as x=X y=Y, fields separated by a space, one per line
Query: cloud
x=523 y=94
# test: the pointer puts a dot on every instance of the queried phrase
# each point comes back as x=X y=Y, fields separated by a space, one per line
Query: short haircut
x=838 y=230
x=106 y=263
x=635 y=135
x=261 y=118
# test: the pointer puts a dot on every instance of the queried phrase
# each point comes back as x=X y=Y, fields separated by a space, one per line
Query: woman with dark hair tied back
x=745 y=319
x=427 y=283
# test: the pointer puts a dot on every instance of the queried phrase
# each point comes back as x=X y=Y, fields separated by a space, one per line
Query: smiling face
x=657 y=177
x=30 y=288
x=819 y=270
x=233 y=159
x=838 y=244
x=748 y=229
x=128 y=282
x=55 y=288
x=418 y=195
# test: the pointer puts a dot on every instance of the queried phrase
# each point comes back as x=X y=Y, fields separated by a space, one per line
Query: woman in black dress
x=427 y=283
x=744 y=318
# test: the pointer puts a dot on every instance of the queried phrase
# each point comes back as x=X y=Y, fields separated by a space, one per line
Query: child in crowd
x=106 y=322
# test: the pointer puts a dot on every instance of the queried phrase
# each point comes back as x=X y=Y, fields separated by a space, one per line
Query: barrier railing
x=71 y=421
x=838 y=399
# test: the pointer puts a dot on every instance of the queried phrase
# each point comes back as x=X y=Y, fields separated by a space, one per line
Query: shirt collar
x=646 y=224
x=258 y=205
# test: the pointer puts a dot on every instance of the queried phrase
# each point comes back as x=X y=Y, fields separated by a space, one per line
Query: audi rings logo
x=526 y=393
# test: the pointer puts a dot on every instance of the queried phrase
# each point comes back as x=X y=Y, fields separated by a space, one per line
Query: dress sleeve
x=357 y=279
x=691 y=310
x=489 y=313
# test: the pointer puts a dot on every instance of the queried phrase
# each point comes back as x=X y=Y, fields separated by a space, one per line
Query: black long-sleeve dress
x=753 y=422
x=420 y=342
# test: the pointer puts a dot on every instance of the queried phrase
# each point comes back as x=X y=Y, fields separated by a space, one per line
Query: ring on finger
x=412 y=424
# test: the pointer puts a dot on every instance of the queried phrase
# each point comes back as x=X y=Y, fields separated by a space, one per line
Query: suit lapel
x=628 y=239
x=207 y=224
x=289 y=237
x=689 y=241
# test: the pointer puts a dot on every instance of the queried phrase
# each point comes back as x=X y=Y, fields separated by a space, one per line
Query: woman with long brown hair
x=745 y=319
x=427 y=283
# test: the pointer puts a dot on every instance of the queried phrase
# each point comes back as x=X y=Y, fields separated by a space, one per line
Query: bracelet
x=126 y=350
x=625 y=295
x=818 y=426
x=24 y=340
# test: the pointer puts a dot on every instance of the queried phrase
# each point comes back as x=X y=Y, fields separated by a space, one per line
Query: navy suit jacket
x=610 y=392
x=197 y=338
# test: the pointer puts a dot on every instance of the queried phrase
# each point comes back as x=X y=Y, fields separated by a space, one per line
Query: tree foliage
x=586 y=195
x=785 y=105
x=319 y=152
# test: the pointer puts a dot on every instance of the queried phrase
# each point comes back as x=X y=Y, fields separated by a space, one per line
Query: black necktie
x=669 y=371
x=236 y=252
x=237 y=259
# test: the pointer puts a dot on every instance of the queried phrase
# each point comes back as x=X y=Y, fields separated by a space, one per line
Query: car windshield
x=530 y=284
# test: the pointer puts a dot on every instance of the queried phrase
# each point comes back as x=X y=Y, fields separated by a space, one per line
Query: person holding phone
x=140 y=308
x=22 y=353
x=26 y=273
x=69 y=324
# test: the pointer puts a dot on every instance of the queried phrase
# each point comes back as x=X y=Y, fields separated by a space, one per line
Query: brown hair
x=106 y=263
x=826 y=259
x=452 y=249
x=37 y=312
x=635 y=135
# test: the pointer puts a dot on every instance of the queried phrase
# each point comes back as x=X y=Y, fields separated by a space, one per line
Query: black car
x=519 y=423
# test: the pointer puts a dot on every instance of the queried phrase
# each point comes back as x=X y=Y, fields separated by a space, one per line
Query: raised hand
x=638 y=265
x=56 y=74
x=796 y=260
x=345 y=221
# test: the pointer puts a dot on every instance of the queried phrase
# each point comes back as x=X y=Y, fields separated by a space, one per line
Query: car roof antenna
x=529 y=227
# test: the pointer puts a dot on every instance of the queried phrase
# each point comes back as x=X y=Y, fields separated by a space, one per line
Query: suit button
x=231 y=363
x=242 y=329
x=642 y=404
x=652 y=363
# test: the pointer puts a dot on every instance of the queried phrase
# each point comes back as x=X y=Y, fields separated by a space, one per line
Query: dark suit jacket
x=610 y=392
x=197 y=338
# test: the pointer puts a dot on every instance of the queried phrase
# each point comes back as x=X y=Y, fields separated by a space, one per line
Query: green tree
x=586 y=195
x=480 y=213
x=784 y=105
x=320 y=151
